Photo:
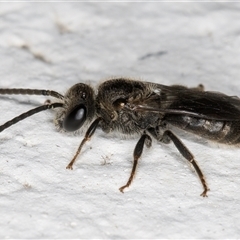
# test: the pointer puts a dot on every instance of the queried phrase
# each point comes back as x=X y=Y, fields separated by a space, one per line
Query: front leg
x=136 y=155
x=87 y=137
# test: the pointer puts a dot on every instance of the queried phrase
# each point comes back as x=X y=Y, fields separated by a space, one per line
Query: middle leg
x=145 y=139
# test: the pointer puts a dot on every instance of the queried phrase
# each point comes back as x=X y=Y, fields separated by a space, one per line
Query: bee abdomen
x=219 y=131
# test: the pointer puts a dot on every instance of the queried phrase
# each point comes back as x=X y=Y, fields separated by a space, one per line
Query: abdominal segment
x=220 y=131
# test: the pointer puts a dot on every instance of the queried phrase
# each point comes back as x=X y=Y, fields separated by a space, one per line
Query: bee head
x=79 y=108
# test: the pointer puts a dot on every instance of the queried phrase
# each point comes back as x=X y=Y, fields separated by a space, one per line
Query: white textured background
x=55 y=45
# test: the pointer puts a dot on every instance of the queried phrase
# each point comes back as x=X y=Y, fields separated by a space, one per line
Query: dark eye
x=75 y=119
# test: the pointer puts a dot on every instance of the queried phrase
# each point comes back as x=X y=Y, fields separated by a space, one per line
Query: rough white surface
x=55 y=45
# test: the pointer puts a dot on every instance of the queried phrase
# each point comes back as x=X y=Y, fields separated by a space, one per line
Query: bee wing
x=184 y=101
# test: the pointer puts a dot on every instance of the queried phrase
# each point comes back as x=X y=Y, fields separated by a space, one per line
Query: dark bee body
x=117 y=99
x=143 y=109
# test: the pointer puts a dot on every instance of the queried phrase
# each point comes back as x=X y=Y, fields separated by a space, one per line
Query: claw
x=204 y=194
x=69 y=166
x=122 y=188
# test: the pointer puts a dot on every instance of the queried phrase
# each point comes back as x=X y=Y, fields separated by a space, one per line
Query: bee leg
x=145 y=139
x=168 y=135
x=87 y=137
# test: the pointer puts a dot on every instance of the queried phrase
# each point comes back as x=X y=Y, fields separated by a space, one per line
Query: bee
x=142 y=109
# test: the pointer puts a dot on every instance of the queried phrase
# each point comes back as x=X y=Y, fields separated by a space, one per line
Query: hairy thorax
x=114 y=107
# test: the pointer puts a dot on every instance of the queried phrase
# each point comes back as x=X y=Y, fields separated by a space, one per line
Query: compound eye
x=75 y=119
